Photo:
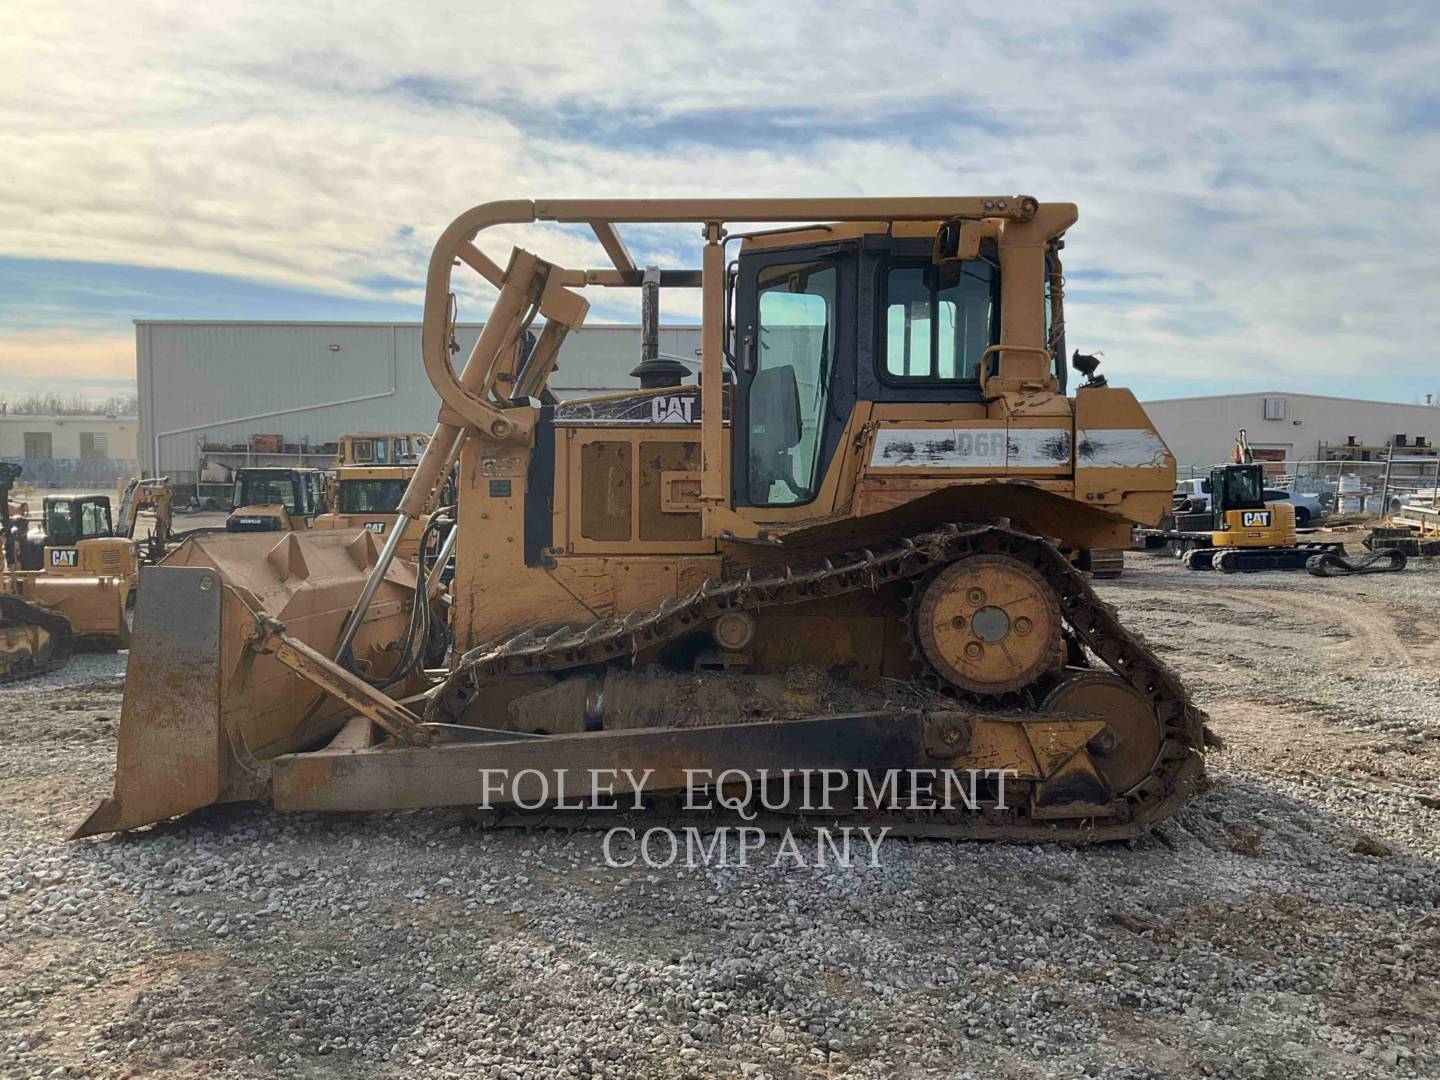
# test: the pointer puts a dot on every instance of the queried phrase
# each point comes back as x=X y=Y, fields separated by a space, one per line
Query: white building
x=1281 y=426
x=219 y=383
x=68 y=450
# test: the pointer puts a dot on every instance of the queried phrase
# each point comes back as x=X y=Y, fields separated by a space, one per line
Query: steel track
x=1178 y=769
x=14 y=610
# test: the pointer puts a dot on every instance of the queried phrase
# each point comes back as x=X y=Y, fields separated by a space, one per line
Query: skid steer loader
x=849 y=545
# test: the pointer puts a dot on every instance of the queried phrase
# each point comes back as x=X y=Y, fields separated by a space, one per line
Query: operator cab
x=821 y=326
x=381 y=448
x=70 y=520
x=275 y=499
x=65 y=522
x=1237 y=487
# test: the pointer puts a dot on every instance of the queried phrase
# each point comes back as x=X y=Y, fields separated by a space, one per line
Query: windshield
x=265 y=491
x=371 y=496
x=1242 y=487
x=60 y=523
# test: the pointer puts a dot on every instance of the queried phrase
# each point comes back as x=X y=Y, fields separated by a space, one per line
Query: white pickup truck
x=1196 y=493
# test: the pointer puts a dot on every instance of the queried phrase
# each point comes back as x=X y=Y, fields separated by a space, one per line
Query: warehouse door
x=1272 y=457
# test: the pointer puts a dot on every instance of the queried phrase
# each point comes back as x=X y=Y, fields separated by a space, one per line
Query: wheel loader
x=76 y=597
x=846 y=546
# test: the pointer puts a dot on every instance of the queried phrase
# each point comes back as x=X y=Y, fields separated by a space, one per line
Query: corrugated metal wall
x=1200 y=431
x=312 y=382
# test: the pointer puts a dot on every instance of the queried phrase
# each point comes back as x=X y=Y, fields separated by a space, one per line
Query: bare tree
x=49 y=403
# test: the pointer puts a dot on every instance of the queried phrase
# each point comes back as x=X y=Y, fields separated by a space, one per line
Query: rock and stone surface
x=1286 y=924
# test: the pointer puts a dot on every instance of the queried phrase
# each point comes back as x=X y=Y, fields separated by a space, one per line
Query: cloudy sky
x=1257 y=182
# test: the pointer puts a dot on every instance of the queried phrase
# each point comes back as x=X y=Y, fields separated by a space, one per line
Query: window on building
x=1275 y=408
x=94 y=446
x=38 y=444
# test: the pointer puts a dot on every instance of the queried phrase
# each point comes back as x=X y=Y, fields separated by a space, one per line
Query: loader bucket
x=203 y=711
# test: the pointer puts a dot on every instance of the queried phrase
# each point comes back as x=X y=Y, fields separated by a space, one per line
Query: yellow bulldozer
x=65 y=582
x=276 y=499
x=372 y=472
x=848 y=545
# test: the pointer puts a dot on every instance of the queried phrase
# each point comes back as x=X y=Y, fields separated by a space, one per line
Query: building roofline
x=88 y=417
x=1291 y=394
x=347 y=323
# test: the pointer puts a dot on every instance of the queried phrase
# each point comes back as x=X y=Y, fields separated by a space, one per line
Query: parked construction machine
x=275 y=499
x=1249 y=532
x=78 y=591
x=76 y=534
x=850 y=544
x=372 y=472
x=155 y=495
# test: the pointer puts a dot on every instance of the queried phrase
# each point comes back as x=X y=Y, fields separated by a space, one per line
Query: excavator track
x=1177 y=770
x=18 y=613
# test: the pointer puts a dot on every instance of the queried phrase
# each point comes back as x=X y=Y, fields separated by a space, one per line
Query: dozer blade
x=169 y=755
x=204 y=709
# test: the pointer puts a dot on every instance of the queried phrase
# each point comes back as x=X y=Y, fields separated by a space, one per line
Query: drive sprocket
x=989 y=624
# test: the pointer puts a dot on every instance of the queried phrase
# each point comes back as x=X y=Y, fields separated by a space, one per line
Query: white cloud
x=1247 y=178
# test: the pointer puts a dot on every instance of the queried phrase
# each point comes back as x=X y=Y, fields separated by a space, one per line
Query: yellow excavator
x=63 y=585
x=156 y=495
x=848 y=544
x=1250 y=533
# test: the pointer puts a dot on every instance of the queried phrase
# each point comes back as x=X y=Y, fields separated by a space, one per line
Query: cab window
x=938 y=321
x=265 y=491
x=371 y=496
x=60 y=523
x=94 y=519
x=787 y=395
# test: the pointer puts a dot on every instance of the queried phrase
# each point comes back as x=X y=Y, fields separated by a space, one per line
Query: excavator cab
x=76 y=536
x=71 y=520
x=1237 y=487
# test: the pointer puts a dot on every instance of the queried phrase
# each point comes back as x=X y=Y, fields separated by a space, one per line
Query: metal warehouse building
x=208 y=387
x=1283 y=427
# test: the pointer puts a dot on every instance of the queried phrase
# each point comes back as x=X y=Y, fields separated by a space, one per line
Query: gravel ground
x=1285 y=924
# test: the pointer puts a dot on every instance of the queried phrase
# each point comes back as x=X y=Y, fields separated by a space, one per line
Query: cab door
x=794 y=347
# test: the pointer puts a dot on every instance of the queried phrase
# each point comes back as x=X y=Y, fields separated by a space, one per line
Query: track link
x=1179 y=767
x=17 y=612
